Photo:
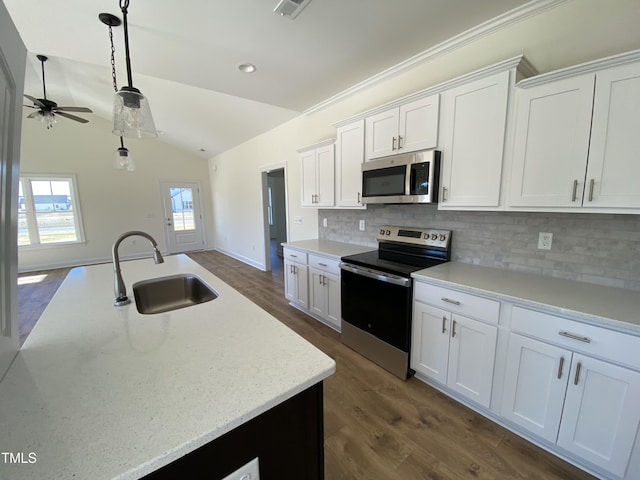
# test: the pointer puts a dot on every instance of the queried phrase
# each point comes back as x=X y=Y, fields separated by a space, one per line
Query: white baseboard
x=243 y=259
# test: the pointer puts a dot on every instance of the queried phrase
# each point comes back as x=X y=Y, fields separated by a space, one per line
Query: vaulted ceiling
x=185 y=56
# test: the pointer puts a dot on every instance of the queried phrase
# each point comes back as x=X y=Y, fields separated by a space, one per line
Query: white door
x=183 y=222
x=332 y=287
x=12 y=61
x=614 y=169
x=418 y=124
x=317 y=292
x=553 y=123
x=309 y=178
x=601 y=414
x=430 y=341
x=472 y=138
x=381 y=134
x=349 y=158
x=471 y=358
x=535 y=385
x=325 y=164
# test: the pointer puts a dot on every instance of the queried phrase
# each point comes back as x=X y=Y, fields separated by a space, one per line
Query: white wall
x=572 y=33
x=112 y=201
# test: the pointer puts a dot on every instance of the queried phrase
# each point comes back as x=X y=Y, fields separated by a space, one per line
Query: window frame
x=30 y=212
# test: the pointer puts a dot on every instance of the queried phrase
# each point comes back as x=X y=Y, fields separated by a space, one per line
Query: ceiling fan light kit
x=48 y=110
x=131 y=112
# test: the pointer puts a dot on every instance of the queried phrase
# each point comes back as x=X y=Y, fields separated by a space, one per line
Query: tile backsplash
x=597 y=248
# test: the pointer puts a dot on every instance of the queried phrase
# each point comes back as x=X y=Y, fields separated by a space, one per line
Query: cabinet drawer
x=577 y=336
x=294 y=255
x=458 y=302
x=325 y=264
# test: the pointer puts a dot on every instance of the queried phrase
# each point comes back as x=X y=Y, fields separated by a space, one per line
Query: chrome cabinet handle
x=575 y=191
x=448 y=300
x=359 y=200
x=444 y=194
x=393 y=143
x=453 y=329
x=573 y=336
x=444 y=323
x=322 y=264
x=577 y=378
x=399 y=142
x=591 y=184
x=560 y=367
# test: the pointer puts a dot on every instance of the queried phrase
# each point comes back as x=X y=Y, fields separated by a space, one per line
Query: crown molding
x=582 y=69
x=321 y=143
x=519 y=63
x=527 y=10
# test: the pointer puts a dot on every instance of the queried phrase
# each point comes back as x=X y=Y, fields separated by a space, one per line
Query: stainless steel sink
x=164 y=294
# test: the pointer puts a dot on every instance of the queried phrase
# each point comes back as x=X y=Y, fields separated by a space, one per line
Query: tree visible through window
x=48 y=211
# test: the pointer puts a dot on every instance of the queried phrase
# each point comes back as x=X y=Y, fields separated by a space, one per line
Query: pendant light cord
x=124 y=5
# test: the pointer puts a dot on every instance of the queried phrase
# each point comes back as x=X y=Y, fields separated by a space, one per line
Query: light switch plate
x=361 y=225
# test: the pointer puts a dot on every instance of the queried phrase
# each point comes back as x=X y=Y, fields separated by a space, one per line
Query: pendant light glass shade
x=124 y=160
x=131 y=115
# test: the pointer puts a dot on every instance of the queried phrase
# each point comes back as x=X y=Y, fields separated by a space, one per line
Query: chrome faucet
x=120 y=289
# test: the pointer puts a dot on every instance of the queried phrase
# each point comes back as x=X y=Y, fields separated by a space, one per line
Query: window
x=48 y=211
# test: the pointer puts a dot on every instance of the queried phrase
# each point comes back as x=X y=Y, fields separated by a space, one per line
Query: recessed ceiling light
x=247 y=67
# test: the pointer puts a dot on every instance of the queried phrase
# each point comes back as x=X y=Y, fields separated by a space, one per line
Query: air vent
x=290 y=8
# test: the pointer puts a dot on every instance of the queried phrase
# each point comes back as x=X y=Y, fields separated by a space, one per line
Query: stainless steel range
x=376 y=292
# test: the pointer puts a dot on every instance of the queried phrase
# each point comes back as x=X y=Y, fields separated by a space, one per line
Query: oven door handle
x=376 y=274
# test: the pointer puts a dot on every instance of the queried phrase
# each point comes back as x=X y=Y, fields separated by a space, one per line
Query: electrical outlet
x=324 y=222
x=297 y=219
x=361 y=225
x=544 y=240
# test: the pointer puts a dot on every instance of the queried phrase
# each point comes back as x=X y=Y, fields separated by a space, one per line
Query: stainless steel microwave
x=407 y=178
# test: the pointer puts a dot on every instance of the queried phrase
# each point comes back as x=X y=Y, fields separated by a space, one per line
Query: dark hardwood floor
x=378 y=427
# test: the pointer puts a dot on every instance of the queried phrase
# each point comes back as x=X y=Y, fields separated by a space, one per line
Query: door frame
x=266 y=238
x=163 y=183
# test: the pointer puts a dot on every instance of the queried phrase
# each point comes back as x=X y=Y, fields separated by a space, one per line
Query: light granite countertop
x=102 y=392
x=328 y=248
x=611 y=307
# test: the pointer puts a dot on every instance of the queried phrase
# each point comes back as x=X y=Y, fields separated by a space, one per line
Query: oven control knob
x=382 y=231
x=388 y=232
x=434 y=236
x=443 y=237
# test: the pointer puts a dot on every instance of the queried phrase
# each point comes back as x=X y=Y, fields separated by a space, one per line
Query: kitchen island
x=99 y=391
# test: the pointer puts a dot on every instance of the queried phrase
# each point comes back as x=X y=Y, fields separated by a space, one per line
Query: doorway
x=183 y=224
x=274 y=195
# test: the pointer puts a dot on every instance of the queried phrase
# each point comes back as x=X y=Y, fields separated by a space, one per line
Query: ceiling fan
x=47 y=110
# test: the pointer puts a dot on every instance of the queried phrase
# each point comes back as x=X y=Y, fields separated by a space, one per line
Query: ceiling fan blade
x=34 y=114
x=31 y=106
x=72 y=117
x=74 y=109
x=35 y=100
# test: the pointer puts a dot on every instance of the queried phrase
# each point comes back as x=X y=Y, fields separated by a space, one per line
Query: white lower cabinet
x=587 y=406
x=454 y=350
x=325 y=296
x=296 y=287
x=312 y=283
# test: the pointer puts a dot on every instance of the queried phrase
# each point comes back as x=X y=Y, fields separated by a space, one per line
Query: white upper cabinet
x=576 y=141
x=349 y=158
x=472 y=136
x=613 y=169
x=407 y=128
x=317 y=167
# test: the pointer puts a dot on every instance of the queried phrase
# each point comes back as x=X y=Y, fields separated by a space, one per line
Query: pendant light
x=123 y=159
x=131 y=113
